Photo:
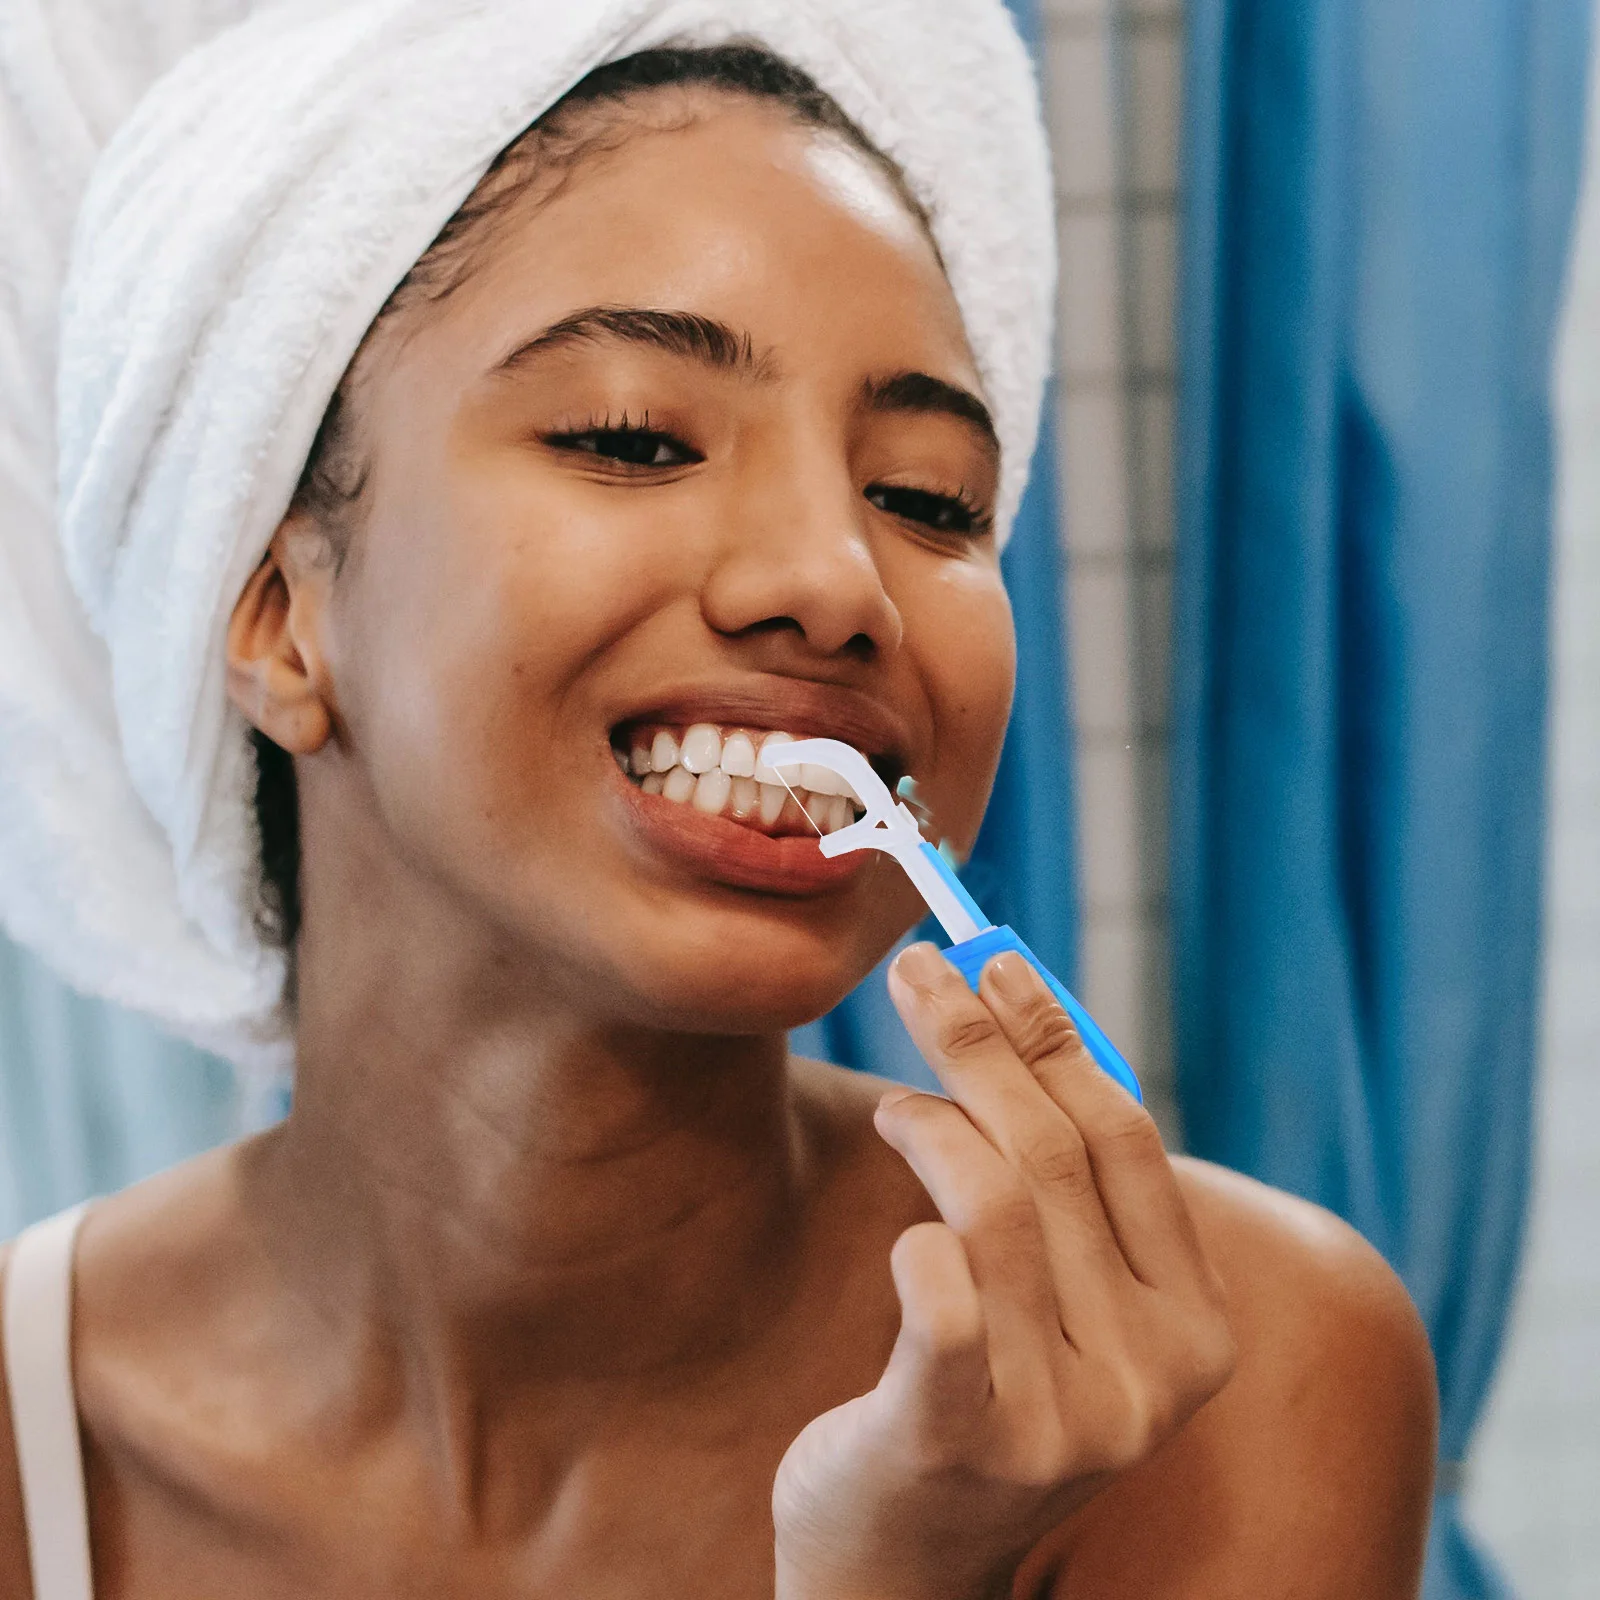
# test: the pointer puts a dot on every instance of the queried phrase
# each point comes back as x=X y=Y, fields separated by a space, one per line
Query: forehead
x=742 y=213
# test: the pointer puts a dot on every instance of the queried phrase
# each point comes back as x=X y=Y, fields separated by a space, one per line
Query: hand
x=1055 y=1327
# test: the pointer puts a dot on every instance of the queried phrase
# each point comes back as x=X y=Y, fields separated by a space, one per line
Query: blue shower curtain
x=92 y=1098
x=1378 y=200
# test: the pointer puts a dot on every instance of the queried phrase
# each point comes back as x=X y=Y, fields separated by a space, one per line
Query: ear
x=276 y=672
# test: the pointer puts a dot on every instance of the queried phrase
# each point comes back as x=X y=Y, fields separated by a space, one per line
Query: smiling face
x=696 y=453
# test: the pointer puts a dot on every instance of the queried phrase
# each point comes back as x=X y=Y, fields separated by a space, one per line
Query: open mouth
x=719 y=771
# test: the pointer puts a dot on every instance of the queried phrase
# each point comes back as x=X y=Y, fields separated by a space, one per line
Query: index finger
x=961 y=1039
x=1143 y=1202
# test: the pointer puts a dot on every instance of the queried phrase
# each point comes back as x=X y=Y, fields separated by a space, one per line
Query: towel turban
x=207 y=203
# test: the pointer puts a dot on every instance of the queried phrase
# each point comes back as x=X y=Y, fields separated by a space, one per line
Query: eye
x=943 y=513
x=627 y=446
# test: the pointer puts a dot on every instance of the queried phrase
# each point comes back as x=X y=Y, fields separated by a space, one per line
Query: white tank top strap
x=37 y=1335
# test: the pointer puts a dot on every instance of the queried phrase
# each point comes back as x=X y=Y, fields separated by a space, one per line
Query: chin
x=749 y=985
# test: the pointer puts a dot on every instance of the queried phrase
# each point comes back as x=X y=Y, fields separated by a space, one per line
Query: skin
x=562 y=1277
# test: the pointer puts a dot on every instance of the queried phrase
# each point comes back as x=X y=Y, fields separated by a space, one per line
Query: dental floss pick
x=890 y=826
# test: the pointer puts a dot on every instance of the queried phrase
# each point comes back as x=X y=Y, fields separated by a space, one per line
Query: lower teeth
x=714 y=793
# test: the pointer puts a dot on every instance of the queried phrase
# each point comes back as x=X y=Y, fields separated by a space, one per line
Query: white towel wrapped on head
x=239 y=233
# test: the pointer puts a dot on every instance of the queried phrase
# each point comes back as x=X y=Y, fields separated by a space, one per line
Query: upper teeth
x=726 y=774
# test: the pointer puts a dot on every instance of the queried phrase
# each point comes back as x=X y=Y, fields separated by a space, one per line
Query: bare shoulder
x=1289 y=1264
x=1311 y=1473
x=14 y=1577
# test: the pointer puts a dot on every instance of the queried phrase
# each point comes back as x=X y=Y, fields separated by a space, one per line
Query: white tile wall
x=1112 y=69
x=1151 y=422
x=1079 y=107
x=1093 y=433
x=1090 y=305
x=1099 y=621
x=1108 y=776
x=1152 y=267
x=1535 y=1479
x=1153 y=44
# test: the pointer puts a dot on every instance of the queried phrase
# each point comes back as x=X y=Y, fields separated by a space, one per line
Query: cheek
x=472 y=625
x=968 y=665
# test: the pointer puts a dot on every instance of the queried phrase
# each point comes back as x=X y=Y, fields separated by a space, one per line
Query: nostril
x=766 y=625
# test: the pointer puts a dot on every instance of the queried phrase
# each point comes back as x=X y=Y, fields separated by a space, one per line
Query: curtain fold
x=92 y=1098
x=1377 y=205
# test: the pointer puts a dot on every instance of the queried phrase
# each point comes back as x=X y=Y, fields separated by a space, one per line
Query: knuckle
x=1213 y=1356
x=1135 y=1416
x=1213 y=1290
x=1044 y=1458
x=1141 y=1401
x=970 y=1034
x=914 y=1110
x=1159 y=1398
x=1044 y=1029
x=1141 y=1424
x=1057 y=1160
x=1131 y=1133
x=1007 y=1214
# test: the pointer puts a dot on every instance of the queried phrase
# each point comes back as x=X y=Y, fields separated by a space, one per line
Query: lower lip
x=730 y=854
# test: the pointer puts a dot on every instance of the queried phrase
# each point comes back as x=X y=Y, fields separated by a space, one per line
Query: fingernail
x=1013 y=977
x=893 y=1097
x=919 y=965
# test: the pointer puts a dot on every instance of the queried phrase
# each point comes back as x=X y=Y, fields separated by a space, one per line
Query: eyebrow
x=714 y=344
x=922 y=392
x=679 y=333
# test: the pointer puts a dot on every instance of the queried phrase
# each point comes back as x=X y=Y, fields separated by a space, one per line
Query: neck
x=485 y=1181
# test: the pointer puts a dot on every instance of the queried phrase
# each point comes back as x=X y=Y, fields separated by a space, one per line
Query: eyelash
x=974 y=521
x=929 y=509
x=600 y=428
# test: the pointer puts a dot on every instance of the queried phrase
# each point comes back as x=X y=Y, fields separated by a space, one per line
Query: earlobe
x=275 y=676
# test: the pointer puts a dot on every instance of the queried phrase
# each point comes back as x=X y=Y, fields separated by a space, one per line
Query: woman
x=562 y=1277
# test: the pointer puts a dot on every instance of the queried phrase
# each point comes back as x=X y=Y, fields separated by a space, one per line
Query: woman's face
x=698 y=445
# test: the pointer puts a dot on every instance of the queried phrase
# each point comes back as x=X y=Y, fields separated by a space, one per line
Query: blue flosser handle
x=970 y=958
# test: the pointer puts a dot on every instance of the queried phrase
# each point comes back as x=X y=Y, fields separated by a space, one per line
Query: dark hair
x=584 y=123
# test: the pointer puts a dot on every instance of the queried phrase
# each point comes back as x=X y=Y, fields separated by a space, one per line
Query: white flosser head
x=888 y=825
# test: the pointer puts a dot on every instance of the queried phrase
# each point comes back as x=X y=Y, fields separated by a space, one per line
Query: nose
x=797 y=555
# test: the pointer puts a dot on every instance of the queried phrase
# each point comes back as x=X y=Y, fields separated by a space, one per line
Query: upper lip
x=800 y=706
